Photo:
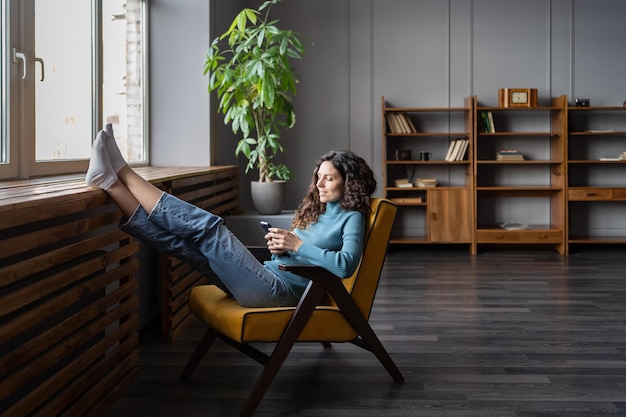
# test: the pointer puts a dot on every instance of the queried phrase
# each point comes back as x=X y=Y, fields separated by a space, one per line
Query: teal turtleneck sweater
x=334 y=242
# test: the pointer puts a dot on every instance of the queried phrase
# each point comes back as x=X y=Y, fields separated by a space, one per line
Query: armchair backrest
x=364 y=282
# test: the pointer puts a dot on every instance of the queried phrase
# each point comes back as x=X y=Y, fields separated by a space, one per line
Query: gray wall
x=179 y=103
x=414 y=52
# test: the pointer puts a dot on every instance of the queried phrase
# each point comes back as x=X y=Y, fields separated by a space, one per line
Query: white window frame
x=20 y=125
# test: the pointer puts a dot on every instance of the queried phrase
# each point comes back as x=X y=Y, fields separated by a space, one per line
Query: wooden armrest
x=330 y=282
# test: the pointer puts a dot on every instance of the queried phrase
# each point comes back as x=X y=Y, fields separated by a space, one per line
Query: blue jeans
x=199 y=237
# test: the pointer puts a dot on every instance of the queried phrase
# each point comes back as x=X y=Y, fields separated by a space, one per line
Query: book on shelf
x=509 y=155
x=409 y=123
x=404 y=126
x=450 y=149
x=482 y=124
x=425 y=182
x=454 y=150
x=403 y=183
x=392 y=123
x=395 y=123
x=492 y=126
x=513 y=226
x=486 y=122
x=457 y=150
x=399 y=122
x=462 y=150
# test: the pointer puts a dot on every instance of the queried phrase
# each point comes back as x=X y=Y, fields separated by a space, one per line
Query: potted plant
x=249 y=68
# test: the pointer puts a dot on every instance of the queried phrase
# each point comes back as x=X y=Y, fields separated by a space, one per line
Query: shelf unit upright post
x=432 y=187
x=516 y=163
x=596 y=171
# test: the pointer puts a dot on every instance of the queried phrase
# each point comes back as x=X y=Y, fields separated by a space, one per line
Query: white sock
x=100 y=173
x=115 y=156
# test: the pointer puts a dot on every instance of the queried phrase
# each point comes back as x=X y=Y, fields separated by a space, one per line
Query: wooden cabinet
x=596 y=175
x=448 y=215
x=520 y=175
x=416 y=144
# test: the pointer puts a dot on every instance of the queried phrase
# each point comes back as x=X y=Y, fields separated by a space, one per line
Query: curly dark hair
x=359 y=185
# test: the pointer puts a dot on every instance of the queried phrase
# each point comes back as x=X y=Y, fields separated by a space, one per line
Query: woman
x=327 y=230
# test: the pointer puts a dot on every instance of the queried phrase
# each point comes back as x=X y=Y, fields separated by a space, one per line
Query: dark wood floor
x=519 y=334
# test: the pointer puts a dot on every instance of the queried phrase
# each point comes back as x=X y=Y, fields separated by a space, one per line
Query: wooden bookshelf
x=428 y=215
x=529 y=191
x=596 y=197
x=569 y=186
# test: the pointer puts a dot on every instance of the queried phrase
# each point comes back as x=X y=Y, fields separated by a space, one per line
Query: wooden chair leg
x=355 y=317
x=307 y=304
x=377 y=348
x=198 y=354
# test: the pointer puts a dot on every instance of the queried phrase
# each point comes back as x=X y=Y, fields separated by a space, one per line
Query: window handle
x=42 y=67
x=20 y=55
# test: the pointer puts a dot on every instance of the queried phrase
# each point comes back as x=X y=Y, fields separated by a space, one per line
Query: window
x=69 y=67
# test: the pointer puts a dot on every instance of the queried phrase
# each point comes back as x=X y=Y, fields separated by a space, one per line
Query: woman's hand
x=280 y=241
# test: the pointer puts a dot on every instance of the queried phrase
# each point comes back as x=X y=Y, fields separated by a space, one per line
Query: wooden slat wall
x=66 y=307
x=217 y=192
x=68 y=322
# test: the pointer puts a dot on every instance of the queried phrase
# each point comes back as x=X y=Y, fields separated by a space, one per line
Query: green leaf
x=251 y=15
x=260 y=38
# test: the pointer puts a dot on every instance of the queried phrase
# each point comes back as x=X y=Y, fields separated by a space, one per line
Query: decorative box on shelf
x=517 y=97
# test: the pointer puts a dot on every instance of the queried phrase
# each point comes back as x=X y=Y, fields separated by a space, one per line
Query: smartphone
x=266 y=226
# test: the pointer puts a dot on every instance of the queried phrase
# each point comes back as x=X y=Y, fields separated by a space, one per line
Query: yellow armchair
x=331 y=310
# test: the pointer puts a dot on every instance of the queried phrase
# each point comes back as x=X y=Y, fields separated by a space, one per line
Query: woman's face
x=330 y=185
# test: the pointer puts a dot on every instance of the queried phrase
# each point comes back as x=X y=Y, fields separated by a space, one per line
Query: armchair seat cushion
x=243 y=324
